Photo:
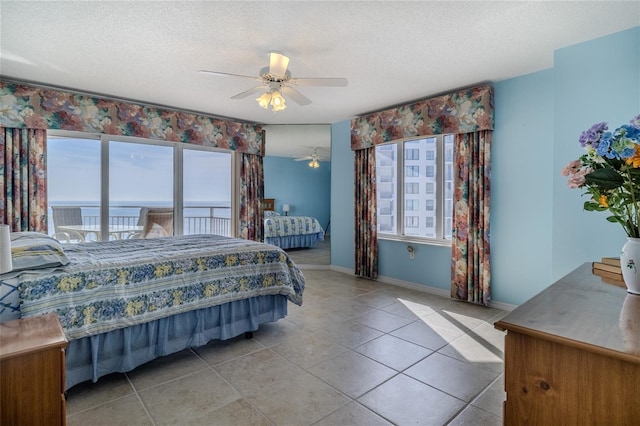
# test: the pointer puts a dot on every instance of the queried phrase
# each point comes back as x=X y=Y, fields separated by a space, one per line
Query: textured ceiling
x=391 y=52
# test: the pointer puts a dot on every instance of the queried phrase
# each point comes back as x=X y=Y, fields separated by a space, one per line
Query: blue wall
x=306 y=190
x=539 y=231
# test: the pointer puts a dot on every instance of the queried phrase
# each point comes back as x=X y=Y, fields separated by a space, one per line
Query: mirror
x=290 y=179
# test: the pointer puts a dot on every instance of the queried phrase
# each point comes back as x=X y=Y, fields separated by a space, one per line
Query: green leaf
x=605 y=179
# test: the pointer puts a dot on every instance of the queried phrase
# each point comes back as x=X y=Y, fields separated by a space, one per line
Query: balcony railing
x=191 y=225
x=205 y=224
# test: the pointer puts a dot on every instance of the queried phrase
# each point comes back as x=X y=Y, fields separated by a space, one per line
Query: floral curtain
x=468 y=114
x=470 y=250
x=25 y=106
x=23 y=205
x=251 y=195
x=366 y=234
x=464 y=111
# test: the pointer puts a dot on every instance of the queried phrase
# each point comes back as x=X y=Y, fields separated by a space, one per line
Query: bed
x=124 y=303
x=288 y=232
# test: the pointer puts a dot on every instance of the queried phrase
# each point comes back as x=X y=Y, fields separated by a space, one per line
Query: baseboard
x=423 y=288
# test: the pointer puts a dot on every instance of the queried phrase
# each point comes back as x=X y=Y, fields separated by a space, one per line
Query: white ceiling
x=391 y=52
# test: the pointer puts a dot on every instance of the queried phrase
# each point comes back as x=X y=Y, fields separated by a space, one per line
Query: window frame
x=440 y=162
x=178 y=170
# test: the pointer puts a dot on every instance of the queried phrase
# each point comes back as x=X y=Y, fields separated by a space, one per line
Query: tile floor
x=316 y=257
x=356 y=353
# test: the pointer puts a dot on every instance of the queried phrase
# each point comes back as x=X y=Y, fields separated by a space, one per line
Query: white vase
x=630 y=264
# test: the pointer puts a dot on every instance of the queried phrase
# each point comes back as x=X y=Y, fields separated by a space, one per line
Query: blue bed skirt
x=92 y=357
x=295 y=241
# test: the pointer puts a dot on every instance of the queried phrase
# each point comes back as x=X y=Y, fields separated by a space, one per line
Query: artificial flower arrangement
x=609 y=172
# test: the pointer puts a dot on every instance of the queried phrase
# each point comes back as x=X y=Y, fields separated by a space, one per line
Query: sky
x=137 y=172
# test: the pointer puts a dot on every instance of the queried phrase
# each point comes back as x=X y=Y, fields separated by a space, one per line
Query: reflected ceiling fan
x=276 y=81
x=314 y=157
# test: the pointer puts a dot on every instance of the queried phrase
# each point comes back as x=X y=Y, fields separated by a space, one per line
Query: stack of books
x=609 y=270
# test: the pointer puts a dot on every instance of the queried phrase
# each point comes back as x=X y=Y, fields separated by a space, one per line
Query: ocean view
x=128 y=212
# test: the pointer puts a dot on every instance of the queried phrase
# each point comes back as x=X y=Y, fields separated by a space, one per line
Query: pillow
x=35 y=250
x=271 y=213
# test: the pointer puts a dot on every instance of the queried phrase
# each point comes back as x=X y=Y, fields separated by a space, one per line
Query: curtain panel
x=30 y=107
x=23 y=179
x=25 y=106
x=464 y=111
x=251 y=195
x=366 y=223
x=470 y=249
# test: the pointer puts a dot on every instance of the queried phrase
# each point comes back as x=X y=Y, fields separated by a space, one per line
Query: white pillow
x=35 y=250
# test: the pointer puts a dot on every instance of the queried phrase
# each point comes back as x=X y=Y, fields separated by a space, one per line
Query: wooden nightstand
x=32 y=371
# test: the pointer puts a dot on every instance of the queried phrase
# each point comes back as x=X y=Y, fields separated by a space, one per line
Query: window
x=411 y=205
x=411 y=221
x=411 y=188
x=114 y=181
x=412 y=154
x=412 y=171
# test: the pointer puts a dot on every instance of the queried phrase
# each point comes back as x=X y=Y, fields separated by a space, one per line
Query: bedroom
x=561 y=101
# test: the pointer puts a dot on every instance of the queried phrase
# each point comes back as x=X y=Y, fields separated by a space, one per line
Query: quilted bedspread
x=284 y=226
x=114 y=284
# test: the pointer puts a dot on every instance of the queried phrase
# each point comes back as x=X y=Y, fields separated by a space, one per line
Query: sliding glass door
x=139 y=188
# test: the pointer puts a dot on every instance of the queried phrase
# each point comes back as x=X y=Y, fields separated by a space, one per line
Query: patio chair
x=64 y=215
x=155 y=222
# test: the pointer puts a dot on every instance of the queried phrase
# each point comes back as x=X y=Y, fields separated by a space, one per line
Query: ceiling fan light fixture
x=264 y=100
x=314 y=164
x=277 y=101
x=272 y=98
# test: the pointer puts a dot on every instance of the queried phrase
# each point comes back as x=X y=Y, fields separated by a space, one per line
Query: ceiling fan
x=275 y=81
x=314 y=157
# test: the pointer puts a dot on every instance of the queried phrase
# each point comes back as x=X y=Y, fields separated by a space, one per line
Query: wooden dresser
x=572 y=355
x=32 y=371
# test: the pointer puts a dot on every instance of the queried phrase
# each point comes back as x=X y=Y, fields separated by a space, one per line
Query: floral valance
x=464 y=111
x=42 y=108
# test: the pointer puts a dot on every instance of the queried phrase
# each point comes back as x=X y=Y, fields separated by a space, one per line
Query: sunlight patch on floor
x=476 y=343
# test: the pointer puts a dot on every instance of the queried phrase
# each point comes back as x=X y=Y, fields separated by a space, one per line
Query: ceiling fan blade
x=250 y=91
x=304 y=158
x=225 y=74
x=278 y=64
x=327 y=82
x=297 y=97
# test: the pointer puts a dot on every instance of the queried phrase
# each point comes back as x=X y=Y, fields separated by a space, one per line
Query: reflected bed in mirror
x=302 y=237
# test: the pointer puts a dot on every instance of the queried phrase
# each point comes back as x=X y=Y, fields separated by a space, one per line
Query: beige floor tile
x=403 y=400
x=126 y=411
x=393 y=352
x=256 y=372
x=492 y=397
x=166 y=368
x=277 y=332
x=189 y=399
x=88 y=394
x=309 y=350
x=298 y=400
x=457 y=378
x=353 y=414
x=408 y=309
x=314 y=319
x=472 y=416
x=421 y=334
x=383 y=321
x=352 y=373
x=220 y=351
x=350 y=334
x=237 y=413
x=482 y=346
